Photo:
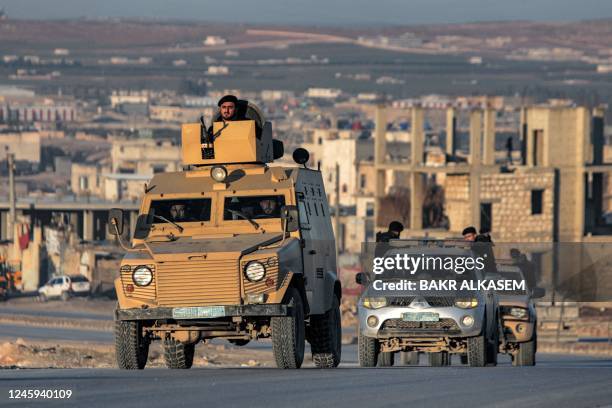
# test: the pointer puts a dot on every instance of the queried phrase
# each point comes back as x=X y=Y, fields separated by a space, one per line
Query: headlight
x=518 y=312
x=466 y=303
x=142 y=276
x=255 y=271
x=374 y=302
x=218 y=173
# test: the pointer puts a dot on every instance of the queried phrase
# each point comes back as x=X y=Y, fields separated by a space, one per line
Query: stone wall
x=510 y=196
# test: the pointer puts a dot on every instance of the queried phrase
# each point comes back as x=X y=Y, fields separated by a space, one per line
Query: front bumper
x=395 y=313
x=165 y=313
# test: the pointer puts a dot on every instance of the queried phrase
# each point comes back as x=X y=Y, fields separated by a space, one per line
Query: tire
x=525 y=356
x=464 y=359
x=493 y=346
x=477 y=350
x=368 y=350
x=288 y=334
x=131 y=348
x=65 y=296
x=43 y=298
x=178 y=355
x=386 y=359
x=326 y=337
x=409 y=358
x=440 y=359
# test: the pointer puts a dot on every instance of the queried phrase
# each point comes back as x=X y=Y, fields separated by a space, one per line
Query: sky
x=325 y=12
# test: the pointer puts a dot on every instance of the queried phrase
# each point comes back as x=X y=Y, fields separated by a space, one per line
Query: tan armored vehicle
x=519 y=318
x=230 y=248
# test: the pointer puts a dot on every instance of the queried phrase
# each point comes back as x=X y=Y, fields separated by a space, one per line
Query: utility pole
x=12 y=212
x=337 y=205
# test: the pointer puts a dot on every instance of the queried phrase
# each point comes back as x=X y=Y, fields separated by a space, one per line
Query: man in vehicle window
x=268 y=208
x=469 y=234
x=177 y=212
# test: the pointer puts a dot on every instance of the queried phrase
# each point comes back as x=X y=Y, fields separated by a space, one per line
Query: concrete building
x=554 y=193
x=25 y=146
x=144 y=156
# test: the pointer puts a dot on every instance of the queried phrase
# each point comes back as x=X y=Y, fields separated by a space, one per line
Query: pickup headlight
x=518 y=312
x=142 y=276
x=255 y=271
x=466 y=303
x=374 y=302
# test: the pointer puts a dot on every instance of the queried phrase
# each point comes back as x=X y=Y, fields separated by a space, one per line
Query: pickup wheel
x=326 y=337
x=178 y=355
x=477 y=350
x=368 y=351
x=464 y=359
x=288 y=333
x=409 y=357
x=525 y=356
x=493 y=345
x=131 y=347
x=65 y=296
x=386 y=359
x=440 y=359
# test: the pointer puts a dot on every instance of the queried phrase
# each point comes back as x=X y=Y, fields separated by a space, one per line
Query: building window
x=369 y=209
x=536 y=201
x=320 y=140
x=344 y=188
x=159 y=168
x=362 y=181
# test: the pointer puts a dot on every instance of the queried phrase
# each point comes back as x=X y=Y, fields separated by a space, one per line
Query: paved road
x=557 y=381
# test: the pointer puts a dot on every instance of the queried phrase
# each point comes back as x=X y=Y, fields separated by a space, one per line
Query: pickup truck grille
x=441 y=325
x=198 y=283
x=433 y=301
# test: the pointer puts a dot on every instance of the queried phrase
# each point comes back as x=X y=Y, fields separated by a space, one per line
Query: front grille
x=201 y=283
x=433 y=301
x=441 y=325
x=146 y=293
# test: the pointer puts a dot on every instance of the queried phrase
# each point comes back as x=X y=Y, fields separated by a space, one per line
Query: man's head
x=396 y=228
x=268 y=206
x=177 y=211
x=227 y=106
x=469 y=234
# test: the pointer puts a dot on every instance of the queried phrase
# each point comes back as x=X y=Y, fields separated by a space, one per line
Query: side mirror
x=115 y=221
x=278 y=149
x=360 y=278
x=538 y=293
x=289 y=214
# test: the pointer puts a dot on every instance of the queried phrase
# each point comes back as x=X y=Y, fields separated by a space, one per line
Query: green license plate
x=198 y=312
x=420 y=317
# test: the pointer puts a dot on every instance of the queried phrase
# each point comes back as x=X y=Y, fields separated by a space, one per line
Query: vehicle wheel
x=440 y=359
x=239 y=342
x=65 y=296
x=409 y=357
x=288 y=334
x=477 y=350
x=525 y=356
x=386 y=359
x=464 y=359
x=131 y=347
x=178 y=355
x=42 y=297
x=326 y=337
x=368 y=351
x=493 y=348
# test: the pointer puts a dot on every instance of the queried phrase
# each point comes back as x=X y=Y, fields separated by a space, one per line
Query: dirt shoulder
x=25 y=354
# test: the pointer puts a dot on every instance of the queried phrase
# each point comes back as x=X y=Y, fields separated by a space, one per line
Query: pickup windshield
x=181 y=210
x=253 y=207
